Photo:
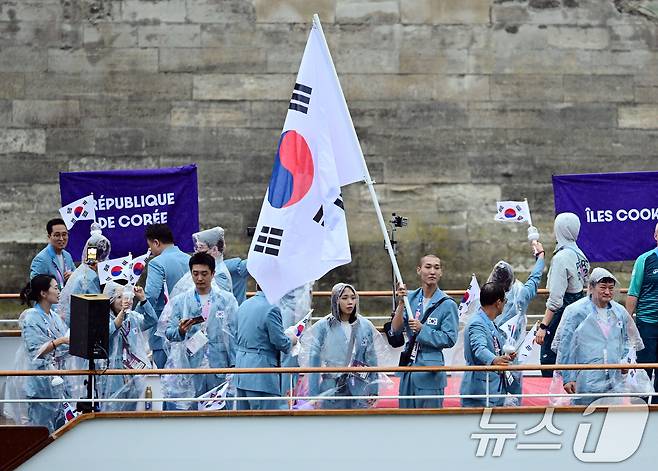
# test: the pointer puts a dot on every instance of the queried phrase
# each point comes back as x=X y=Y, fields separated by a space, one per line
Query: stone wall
x=457 y=103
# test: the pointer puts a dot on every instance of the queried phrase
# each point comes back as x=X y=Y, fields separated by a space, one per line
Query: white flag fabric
x=512 y=211
x=528 y=352
x=302 y=231
x=79 y=210
x=298 y=330
x=114 y=269
x=510 y=326
x=470 y=301
x=136 y=268
x=215 y=398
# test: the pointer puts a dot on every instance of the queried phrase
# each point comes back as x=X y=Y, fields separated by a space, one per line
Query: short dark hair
x=54 y=222
x=160 y=232
x=490 y=293
x=420 y=260
x=202 y=258
x=33 y=289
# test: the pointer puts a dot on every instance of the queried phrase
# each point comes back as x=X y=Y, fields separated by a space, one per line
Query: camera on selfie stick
x=396 y=222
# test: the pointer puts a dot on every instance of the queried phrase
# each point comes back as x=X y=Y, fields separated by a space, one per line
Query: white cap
x=600 y=273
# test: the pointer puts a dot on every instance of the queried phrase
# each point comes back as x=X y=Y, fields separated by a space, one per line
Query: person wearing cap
x=84 y=279
x=567 y=277
x=169 y=264
x=595 y=330
x=54 y=259
x=211 y=241
x=642 y=300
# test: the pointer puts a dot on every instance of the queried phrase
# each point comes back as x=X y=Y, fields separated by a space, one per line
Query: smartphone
x=197 y=320
x=91 y=257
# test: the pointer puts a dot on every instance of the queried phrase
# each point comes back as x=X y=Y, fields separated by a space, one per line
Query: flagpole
x=366 y=173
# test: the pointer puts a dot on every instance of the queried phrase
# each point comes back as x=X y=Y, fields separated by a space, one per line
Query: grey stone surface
x=456 y=103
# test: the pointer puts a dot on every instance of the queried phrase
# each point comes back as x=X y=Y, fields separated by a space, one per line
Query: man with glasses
x=53 y=259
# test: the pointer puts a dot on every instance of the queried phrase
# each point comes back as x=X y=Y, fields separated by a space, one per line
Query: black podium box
x=90 y=326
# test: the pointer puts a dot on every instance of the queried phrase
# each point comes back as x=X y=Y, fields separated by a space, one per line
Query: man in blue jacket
x=433 y=327
x=483 y=345
x=260 y=341
x=53 y=259
x=168 y=265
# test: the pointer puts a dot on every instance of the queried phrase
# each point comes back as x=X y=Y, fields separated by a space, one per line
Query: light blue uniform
x=222 y=275
x=482 y=343
x=218 y=352
x=168 y=267
x=584 y=337
x=260 y=340
x=46 y=263
x=438 y=332
x=239 y=275
x=39 y=329
x=128 y=350
x=518 y=299
x=329 y=347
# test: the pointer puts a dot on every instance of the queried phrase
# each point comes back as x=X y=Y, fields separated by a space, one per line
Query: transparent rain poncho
x=128 y=350
x=38 y=330
x=211 y=241
x=207 y=344
x=587 y=336
x=332 y=343
x=84 y=279
x=294 y=306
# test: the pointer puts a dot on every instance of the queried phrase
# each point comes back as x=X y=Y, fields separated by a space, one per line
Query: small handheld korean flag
x=513 y=211
x=470 y=301
x=302 y=231
x=79 y=210
x=529 y=351
x=298 y=330
x=215 y=399
x=115 y=269
x=137 y=266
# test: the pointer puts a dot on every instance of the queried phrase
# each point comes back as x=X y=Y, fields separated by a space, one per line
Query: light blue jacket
x=239 y=275
x=222 y=276
x=479 y=349
x=169 y=267
x=439 y=331
x=46 y=263
x=519 y=299
x=260 y=341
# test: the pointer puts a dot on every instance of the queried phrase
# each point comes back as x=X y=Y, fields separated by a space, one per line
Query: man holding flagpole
x=432 y=328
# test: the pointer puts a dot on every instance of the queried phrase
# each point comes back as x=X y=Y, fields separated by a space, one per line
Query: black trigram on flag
x=319 y=216
x=301 y=97
x=269 y=240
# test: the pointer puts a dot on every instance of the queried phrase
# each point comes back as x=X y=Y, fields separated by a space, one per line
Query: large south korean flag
x=302 y=230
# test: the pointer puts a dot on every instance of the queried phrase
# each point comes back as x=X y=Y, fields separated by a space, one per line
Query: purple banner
x=129 y=200
x=618 y=212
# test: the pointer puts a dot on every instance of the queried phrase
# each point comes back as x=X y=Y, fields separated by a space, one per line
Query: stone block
x=429 y=114
x=243 y=87
x=51 y=85
x=30 y=33
x=23 y=59
x=12 y=85
x=520 y=87
x=445 y=11
x=220 y=11
x=30 y=10
x=170 y=35
x=598 y=88
x=70 y=142
x=629 y=37
x=362 y=11
x=22 y=141
x=104 y=35
x=148 y=86
x=210 y=115
x=416 y=58
x=646 y=94
x=226 y=60
x=99 y=61
x=19 y=167
x=51 y=113
x=294 y=11
x=154 y=12
x=124 y=114
x=269 y=114
x=5 y=113
x=111 y=142
x=121 y=162
x=638 y=117
x=578 y=37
